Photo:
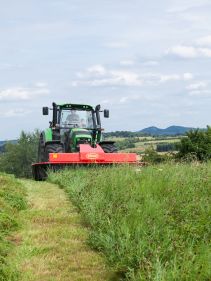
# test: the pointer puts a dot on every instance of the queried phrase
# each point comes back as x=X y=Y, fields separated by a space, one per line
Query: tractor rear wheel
x=53 y=148
x=39 y=172
x=41 y=150
x=109 y=147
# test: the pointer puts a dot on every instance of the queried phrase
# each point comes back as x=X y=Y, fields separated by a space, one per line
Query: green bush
x=152 y=224
x=153 y=157
x=196 y=145
x=12 y=201
x=165 y=147
x=127 y=143
x=17 y=158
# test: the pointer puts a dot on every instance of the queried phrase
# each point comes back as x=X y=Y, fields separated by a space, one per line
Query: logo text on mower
x=92 y=156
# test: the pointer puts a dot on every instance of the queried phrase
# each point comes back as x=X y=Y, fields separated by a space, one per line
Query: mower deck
x=87 y=155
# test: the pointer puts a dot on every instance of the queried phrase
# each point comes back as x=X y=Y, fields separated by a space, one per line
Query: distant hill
x=170 y=131
x=10 y=141
x=2 y=144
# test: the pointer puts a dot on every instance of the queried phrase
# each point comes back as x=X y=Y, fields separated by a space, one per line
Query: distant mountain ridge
x=3 y=143
x=10 y=141
x=170 y=131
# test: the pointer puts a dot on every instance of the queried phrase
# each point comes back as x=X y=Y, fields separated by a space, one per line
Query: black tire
x=39 y=172
x=41 y=150
x=53 y=148
x=109 y=147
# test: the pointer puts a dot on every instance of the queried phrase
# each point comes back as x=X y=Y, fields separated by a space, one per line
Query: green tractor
x=72 y=125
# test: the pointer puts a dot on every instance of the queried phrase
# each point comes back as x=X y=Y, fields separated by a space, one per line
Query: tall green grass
x=12 y=200
x=151 y=223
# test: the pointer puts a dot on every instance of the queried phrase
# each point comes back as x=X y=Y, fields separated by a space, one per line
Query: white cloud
x=188 y=76
x=41 y=84
x=176 y=77
x=124 y=99
x=205 y=52
x=22 y=94
x=129 y=98
x=184 y=6
x=105 y=102
x=97 y=69
x=127 y=62
x=128 y=78
x=197 y=86
x=189 y=52
x=18 y=112
x=98 y=75
x=200 y=93
x=183 y=51
x=151 y=63
x=204 y=41
x=172 y=77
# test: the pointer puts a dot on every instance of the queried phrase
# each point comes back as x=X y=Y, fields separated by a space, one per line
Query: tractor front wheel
x=109 y=147
x=53 y=148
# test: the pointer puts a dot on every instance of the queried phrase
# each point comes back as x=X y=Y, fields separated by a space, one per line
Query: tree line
x=124 y=134
x=17 y=158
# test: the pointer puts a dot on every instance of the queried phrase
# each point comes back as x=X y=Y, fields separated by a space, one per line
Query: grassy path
x=51 y=245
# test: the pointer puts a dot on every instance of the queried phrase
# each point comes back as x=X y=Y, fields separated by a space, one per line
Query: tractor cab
x=71 y=125
x=76 y=116
x=76 y=127
x=71 y=118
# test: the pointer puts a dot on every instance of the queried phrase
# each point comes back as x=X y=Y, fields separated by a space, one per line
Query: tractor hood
x=76 y=106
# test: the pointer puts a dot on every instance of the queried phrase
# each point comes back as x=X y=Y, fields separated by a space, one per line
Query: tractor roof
x=76 y=106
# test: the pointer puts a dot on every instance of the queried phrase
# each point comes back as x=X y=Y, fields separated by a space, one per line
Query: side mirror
x=106 y=113
x=45 y=111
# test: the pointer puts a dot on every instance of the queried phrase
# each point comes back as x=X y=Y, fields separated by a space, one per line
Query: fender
x=47 y=137
x=106 y=142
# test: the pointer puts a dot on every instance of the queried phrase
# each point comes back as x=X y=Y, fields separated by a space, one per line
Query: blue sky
x=148 y=62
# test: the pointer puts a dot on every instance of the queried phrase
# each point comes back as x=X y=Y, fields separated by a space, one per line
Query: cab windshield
x=76 y=119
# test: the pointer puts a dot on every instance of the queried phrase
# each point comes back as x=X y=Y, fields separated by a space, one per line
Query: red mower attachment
x=87 y=155
x=90 y=155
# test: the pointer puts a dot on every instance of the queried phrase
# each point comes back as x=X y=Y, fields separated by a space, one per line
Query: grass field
x=146 y=142
x=12 y=201
x=151 y=223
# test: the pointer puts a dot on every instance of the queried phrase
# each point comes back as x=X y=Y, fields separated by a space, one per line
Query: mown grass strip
x=153 y=223
x=12 y=201
x=53 y=244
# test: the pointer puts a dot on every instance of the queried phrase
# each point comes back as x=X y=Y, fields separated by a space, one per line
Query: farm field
x=142 y=143
x=151 y=223
x=108 y=223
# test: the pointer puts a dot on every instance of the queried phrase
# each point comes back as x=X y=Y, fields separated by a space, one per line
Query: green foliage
x=196 y=145
x=152 y=224
x=2 y=148
x=151 y=156
x=17 y=158
x=124 y=134
x=165 y=147
x=12 y=201
x=127 y=143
